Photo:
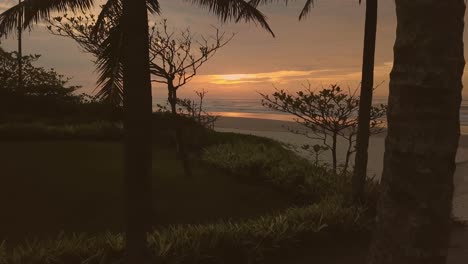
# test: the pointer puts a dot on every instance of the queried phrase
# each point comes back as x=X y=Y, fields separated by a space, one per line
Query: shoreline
x=275 y=125
x=275 y=129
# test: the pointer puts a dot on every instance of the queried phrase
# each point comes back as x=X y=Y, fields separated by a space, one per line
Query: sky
x=325 y=48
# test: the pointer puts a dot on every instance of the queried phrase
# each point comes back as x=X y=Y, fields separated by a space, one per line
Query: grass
x=247 y=241
x=103 y=130
x=76 y=186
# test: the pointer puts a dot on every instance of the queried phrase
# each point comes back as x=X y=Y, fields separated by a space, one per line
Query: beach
x=277 y=130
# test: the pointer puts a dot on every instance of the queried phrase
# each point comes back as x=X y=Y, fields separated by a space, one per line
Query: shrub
x=223 y=242
x=94 y=131
x=276 y=165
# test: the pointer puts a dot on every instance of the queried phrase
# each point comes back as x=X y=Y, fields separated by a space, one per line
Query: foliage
x=253 y=159
x=326 y=115
x=174 y=58
x=193 y=110
x=246 y=241
x=37 y=81
x=44 y=93
x=101 y=130
x=276 y=165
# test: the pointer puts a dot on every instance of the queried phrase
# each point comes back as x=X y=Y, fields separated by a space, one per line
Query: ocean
x=252 y=108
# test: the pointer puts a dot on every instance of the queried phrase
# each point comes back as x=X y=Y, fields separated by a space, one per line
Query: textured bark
x=20 y=51
x=137 y=122
x=365 y=102
x=333 y=150
x=180 y=147
x=413 y=221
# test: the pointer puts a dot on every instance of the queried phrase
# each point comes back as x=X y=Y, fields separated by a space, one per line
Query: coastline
x=277 y=130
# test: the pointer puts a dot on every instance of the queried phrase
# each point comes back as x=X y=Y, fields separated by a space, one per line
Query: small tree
x=44 y=93
x=37 y=81
x=175 y=58
x=192 y=109
x=195 y=110
x=327 y=115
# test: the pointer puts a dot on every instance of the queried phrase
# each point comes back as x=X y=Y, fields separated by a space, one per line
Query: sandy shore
x=277 y=130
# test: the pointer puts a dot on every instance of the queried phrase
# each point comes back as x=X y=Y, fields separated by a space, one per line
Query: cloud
x=249 y=78
x=286 y=76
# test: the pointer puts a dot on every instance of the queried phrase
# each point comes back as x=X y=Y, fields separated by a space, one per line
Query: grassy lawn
x=76 y=186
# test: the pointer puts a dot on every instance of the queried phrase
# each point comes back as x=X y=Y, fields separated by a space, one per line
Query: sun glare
x=234 y=77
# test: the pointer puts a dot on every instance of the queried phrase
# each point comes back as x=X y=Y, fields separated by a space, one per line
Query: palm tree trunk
x=137 y=122
x=20 y=51
x=413 y=221
x=365 y=102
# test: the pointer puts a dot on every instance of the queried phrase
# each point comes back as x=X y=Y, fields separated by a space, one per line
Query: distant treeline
x=45 y=94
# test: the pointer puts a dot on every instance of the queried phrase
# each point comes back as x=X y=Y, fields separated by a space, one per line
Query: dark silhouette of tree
x=137 y=122
x=38 y=80
x=175 y=58
x=327 y=115
x=413 y=220
x=20 y=50
x=43 y=90
x=194 y=109
x=126 y=51
x=367 y=87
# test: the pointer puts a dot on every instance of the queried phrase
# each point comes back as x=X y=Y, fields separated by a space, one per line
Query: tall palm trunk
x=423 y=130
x=137 y=122
x=20 y=51
x=365 y=102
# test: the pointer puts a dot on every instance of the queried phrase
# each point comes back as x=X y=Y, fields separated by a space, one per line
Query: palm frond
x=307 y=7
x=33 y=11
x=305 y=10
x=111 y=9
x=153 y=6
x=236 y=10
x=257 y=3
x=110 y=67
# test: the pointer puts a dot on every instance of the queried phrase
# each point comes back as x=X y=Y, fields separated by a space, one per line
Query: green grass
x=103 y=130
x=77 y=186
x=246 y=241
x=239 y=206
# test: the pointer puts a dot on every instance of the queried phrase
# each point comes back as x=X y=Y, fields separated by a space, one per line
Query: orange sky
x=325 y=48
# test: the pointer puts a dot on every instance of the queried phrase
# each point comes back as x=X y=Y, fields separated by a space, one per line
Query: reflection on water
x=252 y=108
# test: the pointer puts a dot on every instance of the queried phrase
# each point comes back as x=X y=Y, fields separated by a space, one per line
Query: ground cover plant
x=206 y=219
x=244 y=241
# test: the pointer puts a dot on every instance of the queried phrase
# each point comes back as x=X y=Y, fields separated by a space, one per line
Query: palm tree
x=20 y=51
x=413 y=221
x=129 y=42
x=137 y=120
x=365 y=102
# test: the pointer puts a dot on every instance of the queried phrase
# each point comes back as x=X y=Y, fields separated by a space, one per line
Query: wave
x=252 y=108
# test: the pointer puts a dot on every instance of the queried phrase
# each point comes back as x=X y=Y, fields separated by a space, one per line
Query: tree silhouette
x=125 y=51
x=367 y=86
x=413 y=220
x=175 y=58
x=327 y=115
x=365 y=105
